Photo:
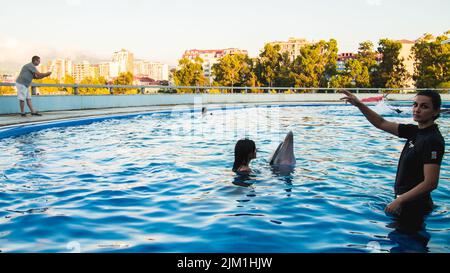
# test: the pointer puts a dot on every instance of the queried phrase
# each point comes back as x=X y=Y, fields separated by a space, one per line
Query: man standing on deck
x=23 y=82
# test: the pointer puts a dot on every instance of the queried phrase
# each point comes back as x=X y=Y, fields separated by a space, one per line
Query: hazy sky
x=163 y=30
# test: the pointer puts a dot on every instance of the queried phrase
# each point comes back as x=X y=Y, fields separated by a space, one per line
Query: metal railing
x=74 y=89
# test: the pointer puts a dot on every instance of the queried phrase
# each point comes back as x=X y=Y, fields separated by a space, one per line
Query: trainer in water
x=420 y=161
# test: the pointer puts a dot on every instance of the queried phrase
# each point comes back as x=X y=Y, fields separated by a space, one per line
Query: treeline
x=122 y=79
x=316 y=66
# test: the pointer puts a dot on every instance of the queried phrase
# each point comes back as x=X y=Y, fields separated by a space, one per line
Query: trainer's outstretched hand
x=349 y=97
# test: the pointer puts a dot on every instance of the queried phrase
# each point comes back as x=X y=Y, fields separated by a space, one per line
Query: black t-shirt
x=423 y=146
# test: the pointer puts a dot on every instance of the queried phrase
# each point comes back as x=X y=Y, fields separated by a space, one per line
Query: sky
x=161 y=30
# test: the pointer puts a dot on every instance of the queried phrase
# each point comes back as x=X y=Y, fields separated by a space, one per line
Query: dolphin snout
x=289 y=137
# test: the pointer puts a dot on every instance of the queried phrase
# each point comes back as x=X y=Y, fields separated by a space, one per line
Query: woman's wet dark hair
x=435 y=99
x=243 y=152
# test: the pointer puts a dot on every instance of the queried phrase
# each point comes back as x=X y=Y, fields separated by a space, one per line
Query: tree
x=234 y=70
x=391 y=72
x=268 y=65
x=7 y=90
x=68 y=79
x=330 y=55
x=356 y=74
x=125 y=78
x=171 y=75
x=359 y=73
x=316 y=64
x=189 y=74
x=283 y=76
x=432 y=61
x=368 y=58
x=366 y=55
x=47 y=90
x=341 y=80
x=94 y=90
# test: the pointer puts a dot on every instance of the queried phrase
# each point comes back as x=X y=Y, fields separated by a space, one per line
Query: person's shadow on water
x=283 y=173
x=244 y=179
x=409 y=237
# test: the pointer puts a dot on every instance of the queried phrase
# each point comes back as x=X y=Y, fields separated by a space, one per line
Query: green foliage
x=68 y=79
x=124 y=79
x=391 y=72
x=268 y=65
x=432 y=66
x=359 y=73
x=234 y=70
x=93 y=90
x=48 y=90
x=189 y=74
x=7 y=90
x=356 y=74
x=314 y=67
x=341 y=80
x=444 y=85
x=366 y=55
x=283 y=77
x=368 y=59
x=316 y=64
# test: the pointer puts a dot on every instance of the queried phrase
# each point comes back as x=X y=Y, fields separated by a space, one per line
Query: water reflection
x=409 y=235
x=244 y=179
x=407 y=241
x=284 y=173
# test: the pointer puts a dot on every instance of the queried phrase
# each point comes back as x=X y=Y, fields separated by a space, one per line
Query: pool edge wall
x=10 y=105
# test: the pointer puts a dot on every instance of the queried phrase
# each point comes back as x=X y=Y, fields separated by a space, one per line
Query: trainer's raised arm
x=39 y=75
x=376 y=120
x=351 y=98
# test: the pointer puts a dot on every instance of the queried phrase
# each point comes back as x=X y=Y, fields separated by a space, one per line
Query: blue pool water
x=162 y=182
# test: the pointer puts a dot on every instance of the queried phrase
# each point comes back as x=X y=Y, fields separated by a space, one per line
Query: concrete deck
x=15 y=119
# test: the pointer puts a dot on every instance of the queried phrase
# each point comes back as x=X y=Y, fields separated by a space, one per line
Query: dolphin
x=284 y=154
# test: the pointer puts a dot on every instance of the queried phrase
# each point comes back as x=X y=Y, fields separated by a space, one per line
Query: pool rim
x=15 y=130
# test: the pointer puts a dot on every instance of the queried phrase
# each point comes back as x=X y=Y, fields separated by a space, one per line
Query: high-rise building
x=94 y=71
x=43 y=68
x=103 y=69
x=108 y=70
x=154 y=70
x=68 y=64
x=158 y=71
x=81 y=71
x=408 y=60
x=343 y=58
x=8 y=78
x=125 y=60
x=139 y=68
x=292 y=46
x=59 y=68
x=114 y=70
x=210 y=57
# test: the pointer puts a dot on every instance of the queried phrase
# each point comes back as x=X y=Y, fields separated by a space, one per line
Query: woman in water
x=420 y=161
x=245 y=151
